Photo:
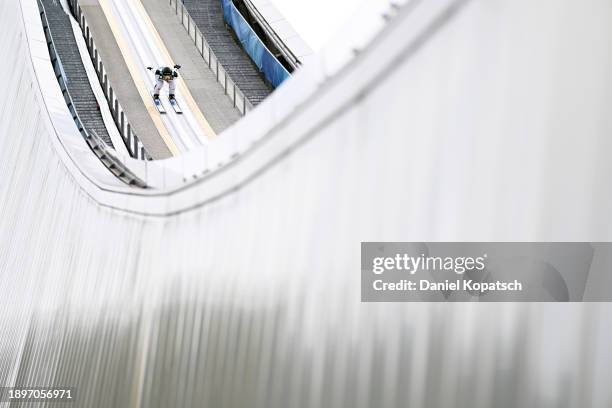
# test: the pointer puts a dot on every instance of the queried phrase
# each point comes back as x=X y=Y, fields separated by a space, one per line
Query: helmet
x=166 y=73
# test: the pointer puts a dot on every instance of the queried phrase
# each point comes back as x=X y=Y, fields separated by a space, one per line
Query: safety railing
x=97 y=145
x=274 y=72
x=289 y=56
x=132 y=142
x=106 y=156
x=229 y=86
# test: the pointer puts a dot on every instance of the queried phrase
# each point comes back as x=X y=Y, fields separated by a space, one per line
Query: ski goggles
x=167 y=77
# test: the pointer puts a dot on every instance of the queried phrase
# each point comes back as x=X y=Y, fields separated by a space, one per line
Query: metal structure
x=240 y=64
x=229 y=86
x=95 y=142
x=132 y=142
x=266 y=61
x=283 y=49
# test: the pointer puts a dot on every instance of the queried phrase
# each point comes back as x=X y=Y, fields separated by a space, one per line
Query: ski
x=159 y=105
x=175 y=106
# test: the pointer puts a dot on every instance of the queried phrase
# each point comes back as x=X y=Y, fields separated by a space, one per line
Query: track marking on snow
x=138 y=81
x=185 y=93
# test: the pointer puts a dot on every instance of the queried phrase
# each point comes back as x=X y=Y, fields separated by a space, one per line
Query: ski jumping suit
x=160 y=81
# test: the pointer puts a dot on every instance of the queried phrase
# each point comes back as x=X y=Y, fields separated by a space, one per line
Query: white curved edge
x=50 y=97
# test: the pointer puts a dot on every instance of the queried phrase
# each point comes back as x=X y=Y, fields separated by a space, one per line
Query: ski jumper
x=165 y=74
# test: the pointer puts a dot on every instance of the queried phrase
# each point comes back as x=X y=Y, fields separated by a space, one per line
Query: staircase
x=77 y=82
x=208 y=16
